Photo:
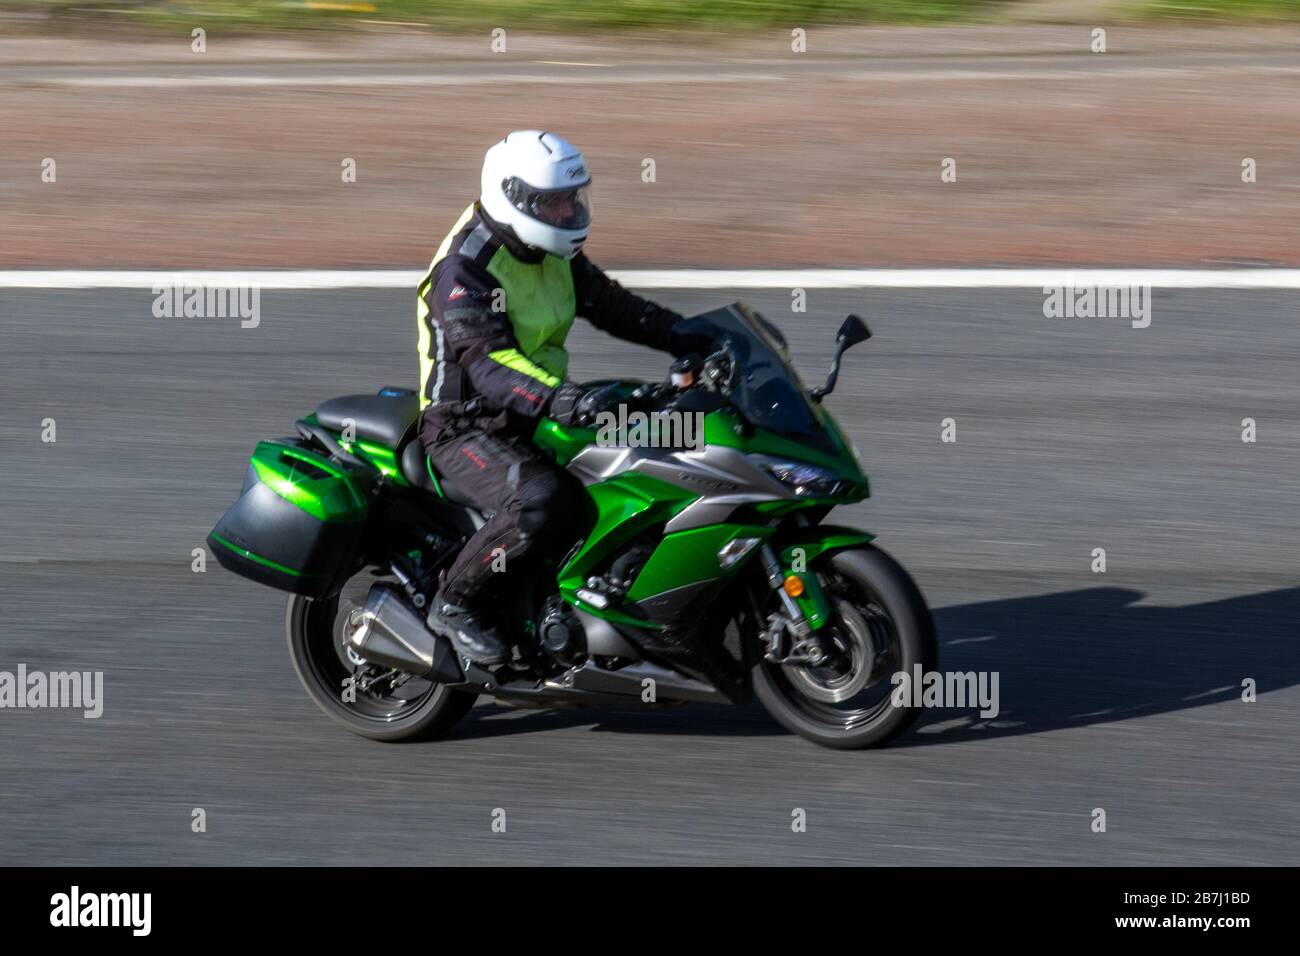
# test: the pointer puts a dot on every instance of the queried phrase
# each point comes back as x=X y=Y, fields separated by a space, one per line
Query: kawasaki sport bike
x=703 y=572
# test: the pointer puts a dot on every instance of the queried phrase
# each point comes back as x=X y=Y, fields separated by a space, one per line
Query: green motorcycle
x=702 y=573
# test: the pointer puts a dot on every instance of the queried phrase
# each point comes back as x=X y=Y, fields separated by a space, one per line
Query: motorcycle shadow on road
x=701 y=720
x=1092 y=656
x=1067 y=659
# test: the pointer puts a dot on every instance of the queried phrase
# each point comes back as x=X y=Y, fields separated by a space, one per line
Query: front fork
x=795 y=635
x=789 y=637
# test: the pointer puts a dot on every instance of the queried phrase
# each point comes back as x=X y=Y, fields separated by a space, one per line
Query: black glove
x=575 y=405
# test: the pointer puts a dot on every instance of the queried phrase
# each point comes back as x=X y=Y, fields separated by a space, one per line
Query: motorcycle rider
x=494 y=309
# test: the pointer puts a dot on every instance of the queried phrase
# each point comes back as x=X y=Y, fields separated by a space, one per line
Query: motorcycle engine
x=560 y=632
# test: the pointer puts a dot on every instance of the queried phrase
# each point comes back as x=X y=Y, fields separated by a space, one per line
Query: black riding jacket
x=493 y=316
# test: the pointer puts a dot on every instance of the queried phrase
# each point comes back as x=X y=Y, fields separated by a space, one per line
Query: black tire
x=313 y=630
x=875 y=587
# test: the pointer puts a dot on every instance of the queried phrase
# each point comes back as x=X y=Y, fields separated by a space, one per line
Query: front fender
x=804 y=547
x=820 y=539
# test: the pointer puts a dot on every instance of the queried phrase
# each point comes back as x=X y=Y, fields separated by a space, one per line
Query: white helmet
x=538 y=184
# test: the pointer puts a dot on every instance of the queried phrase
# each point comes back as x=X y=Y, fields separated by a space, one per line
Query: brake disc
x=856 y=649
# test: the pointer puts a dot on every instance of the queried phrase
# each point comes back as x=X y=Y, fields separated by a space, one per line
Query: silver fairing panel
x=723 y=477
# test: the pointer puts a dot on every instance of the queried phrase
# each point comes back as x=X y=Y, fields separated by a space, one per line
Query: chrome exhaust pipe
x=388 y=631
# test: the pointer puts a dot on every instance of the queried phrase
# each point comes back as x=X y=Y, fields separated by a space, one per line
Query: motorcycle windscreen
x=767 y=390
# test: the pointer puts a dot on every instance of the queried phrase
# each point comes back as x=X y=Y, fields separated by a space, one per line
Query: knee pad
x=546 y=501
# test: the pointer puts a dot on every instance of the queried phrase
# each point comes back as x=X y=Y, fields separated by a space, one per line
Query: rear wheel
x=881 y=626
x=370 y=700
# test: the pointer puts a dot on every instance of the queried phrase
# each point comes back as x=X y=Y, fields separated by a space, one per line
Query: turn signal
x=793 y=585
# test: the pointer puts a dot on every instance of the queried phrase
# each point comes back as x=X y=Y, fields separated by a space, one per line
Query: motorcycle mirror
x=853 y=331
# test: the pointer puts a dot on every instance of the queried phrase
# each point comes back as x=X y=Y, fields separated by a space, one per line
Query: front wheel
x=367 y=699
x=881 y=626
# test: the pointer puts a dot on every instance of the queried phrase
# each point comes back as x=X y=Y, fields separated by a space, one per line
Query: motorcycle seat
x=392 y=421
x=388 y=420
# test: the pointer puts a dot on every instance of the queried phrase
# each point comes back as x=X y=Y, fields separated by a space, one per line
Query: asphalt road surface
x=1119 y=690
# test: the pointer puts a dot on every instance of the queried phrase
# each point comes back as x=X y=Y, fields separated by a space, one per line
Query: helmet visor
x=561 y=208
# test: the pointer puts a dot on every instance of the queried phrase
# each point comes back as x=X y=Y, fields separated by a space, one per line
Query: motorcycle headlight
x=808 y=481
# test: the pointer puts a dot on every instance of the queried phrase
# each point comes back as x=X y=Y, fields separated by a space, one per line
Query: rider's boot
x=469 y=630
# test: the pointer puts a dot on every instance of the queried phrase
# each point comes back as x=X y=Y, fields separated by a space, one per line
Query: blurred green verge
x=1221 y=9
x=568 y=15
x=540 y=15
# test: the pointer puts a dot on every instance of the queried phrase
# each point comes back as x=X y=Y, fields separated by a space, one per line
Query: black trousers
x=536 y=508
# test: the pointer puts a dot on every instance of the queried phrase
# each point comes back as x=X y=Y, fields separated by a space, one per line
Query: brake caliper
x=806 y=651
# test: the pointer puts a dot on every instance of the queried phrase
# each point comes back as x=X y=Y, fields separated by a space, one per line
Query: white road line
x=260 y=278
x=1241 y=278
x=958 y=278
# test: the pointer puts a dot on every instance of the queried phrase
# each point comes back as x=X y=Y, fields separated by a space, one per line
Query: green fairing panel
x=560 y=441
x=626 y=506
x=630 y=504
x=309 y=481
x=686 y=557
x=721 y=428
x=383 y=458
